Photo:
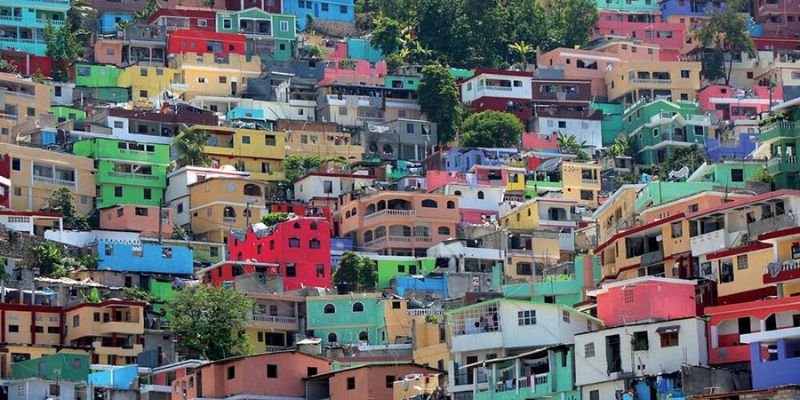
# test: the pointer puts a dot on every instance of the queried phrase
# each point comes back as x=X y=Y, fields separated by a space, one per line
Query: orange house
x=129 y=217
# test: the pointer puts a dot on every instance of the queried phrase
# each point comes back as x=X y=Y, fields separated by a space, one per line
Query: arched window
x=457 y=193
x=329 y=309
x=229 y=212
x=363 y=336
x=428 y=203
x=347 y=214
x=294 y=242
x=451 y=204
x=367 y=236
x=443 y=230
x=313 y=243
x=370 y=209
x=480 y=195
x=296 y=225
x=358 y=307
x=380 y=232
x=355 y=212
x=332 y=337
x=252 y=190
x=422 y=231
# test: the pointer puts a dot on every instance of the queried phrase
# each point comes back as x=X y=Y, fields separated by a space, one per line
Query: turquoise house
x=656 y=129
x=269 y=36
x=24 y=22
x=551 y=375
x=628 y=5
x=567 y=289
x=347 y=319
x=361 y=49
x=390 y=267
x=612 y=124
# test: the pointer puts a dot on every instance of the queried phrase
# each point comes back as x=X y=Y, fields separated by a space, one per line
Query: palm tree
x=619 y=148
x=569 y=144
x=523 y=50
x=189 y=146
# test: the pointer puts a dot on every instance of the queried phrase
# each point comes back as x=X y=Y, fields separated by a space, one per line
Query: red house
x=270 y=6
x=201 y=42
x=173 y=19
x=28 y=64
x=303 y=210
x=5 y=180
x=300 y=247
x=642 y=299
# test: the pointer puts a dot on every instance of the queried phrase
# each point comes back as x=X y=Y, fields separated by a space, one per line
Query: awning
x=668 y=329
x=505 y=359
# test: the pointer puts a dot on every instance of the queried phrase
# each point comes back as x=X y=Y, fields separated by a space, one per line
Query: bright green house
x=96 y=75
x=60 y=366
x=127 y=172
x=67 y=113
x=269 y=36
x=392 y=266
x=347 y=319
x=655 y=129
x=567 y=289
x=778 y=144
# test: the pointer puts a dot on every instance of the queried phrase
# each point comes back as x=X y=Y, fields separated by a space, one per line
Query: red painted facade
x=5 y=180
x=646 y=27
x=28 y=64
x=189 y=18
x=642 y=299
x=301 y=247
x=270 y=6
x=520 y=109
x=221 y=44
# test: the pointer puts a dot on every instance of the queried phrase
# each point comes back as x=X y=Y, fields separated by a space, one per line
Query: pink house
x=363 y=382
x=271 y=375
x=644 y=299
x=141 y=219
x=354 y=71
x=728 y=103
x=540 y=142
x=646 y=27
x=165 y=375
x=727 y=323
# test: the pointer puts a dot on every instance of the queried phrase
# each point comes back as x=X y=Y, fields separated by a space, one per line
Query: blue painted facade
x=361 y=49
x=24 y=21
x=144 y=257
x=338 y=247
x=780 y=368
x=107 y=21
x=120 y=378
x=688 y=8
x=246 y=113
x=461 y=160
x=432 y=285
x=744 y=146
x=324 y=10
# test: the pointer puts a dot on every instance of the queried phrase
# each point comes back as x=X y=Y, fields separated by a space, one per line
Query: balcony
x=130 y=178
x=399 y=241
x=119 y=328
x=700 y=120
x=558 y=223
x=57 y=4
x=713 y=241
x=786 y=164
x=55 y=22
x=274 y=322
x=228 y=220
x=775 y=223
x=649 y=81
x=54 y=181
x=731 y=354
x=589 y=181
x=477 y=341
x=780 y=129
x=652 y=257
x=786 y=271
x=122 y=351
x=392 y=213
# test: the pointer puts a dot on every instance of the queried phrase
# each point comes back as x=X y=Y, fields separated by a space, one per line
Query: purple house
x=685 y=8
x=463 y=159
x=774 y=357
x=717 y=151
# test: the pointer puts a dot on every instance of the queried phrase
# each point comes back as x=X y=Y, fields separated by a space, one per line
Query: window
x=409 y=128
x=58 y=90
x=358 y=307
x=291 y=270
x=311 y=371
x=741 y=261
x=726 y=271
x=180 y=208
x=17 y=191
x=677 y=229
x=201 y=80
x=587 y=195
x=428 y=203
x=588 y=350
x=325 y=6
x=737 y=175
x=76 y=321
x=594 y=395
x=332 y=338
x=53 y=330
x=148 y=194
x=363 y=336
x=202 y=23
x=223 y=79
x=285 y=24
x=527 y=317
x=401 y=269
x=118 y=191
x=693 y=208
x=629 y=295
x=451 y=204
x=13 y=328
x=684 y=74
x=639 y=341
x=15 y=164
x=231 y=372
x=562 y=124
x=272 y=371
x=749 y=75
x=320 y=270
x=669 y=339
x=343 y=9
x=389 y=381
x=269 y=140
x=396 y=305
x=565 y=316
x=480 y=195
x=329 y=309
x=142 y=71
x=294 y=242
x=443 y=230
x=226 y=24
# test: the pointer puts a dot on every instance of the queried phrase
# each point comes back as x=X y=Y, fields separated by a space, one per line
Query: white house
x=584 y=129
x=326 y=185
x=478 y=197
x=462 y=258
x=499 y=84
x=606 y=359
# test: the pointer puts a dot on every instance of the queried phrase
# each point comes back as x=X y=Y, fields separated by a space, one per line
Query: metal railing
x=649 y=81
x=116 y=174
x=398 y=213
x=53 y=181
x=274 y=319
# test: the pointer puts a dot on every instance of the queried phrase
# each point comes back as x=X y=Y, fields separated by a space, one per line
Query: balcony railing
x=11 y=18
x=132 y=175
x=396 y=213
x=466 y=378
x=54 y=181
x=45 y=21
x=589 y=181
x=650 y=81
x=62 y=2
x=652 y=257
x=229 y=220
x=275 y=319
x=417 y=312
x=770 y=224
x=780 y=125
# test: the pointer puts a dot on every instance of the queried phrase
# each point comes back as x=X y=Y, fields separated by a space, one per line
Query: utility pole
x=160 y=219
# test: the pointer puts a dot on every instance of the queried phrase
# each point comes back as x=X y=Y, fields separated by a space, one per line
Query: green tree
x=62 y=201
x=386 y=35
x=725 y=32
x=48 y=258
x=295 y=166
x=491 y=129
x=149 y=9
x=763 y=176
x=189 y=145
x=309 y=23
x=210 y=322
x=523 y=51
x=274 y=218
x=358 y=274
x=314 y=51
x=180 y=233
x=437 y=96
x=569 y=22
x=689 y=156
x=620 y=147
x=8 y=67
x=63 y=47
x=570 y=144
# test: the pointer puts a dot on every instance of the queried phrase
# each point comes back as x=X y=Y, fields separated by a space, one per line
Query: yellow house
x=36 y=173
x=275 y=320
x=318 y=139
x=209 y=75
x=581 y=182
x=219 y=204
x=398 y=320
x=147 y=83
x=429 y=340
x=538 y=213
x=617 y=212
x=260 y=153
x=23 y=101
x=529 y=252
x=112 y=328
x=634 y=80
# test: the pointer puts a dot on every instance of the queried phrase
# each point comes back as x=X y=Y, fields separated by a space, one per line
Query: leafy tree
x=443 y=28
x=149 y=9
x=386 y=35
x=315 y=51
x=189 y=145
x=437 y=96
x=620 y=147
x=358 y=274
x=179 y=233
x=725 y=32
x=492 y=129
x=310 y=23
x=569 y=22
x=274 y=218
x=8 y=67
x=61 y=201
x=690 y=156
x=296 y=166
x=763 y=176
x=210 y=322
x=63 y=47
x=48 y=258
x=570 y=144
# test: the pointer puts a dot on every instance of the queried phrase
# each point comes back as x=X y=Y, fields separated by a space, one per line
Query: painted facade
x=634 y=80
x=270 y=36
x=25 y=21
x=324 y=10
x=24 y=101
x=144 y=257
x=214 y=75
x=655 y=129
x=218 y=204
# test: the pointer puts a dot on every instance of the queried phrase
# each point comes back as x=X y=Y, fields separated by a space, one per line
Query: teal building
x=347 y=319
x=269 y=36
x=655 y=129
x=23 y=23
x=127 y=172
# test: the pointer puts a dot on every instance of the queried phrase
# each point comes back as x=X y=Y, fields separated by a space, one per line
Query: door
x=233 y=88
x=470 y=360
x=744 y=325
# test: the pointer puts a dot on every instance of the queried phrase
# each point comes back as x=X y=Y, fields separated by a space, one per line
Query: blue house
x=361 y=49
x=338 y=247
x=686 y=8
x=436 y=286
x=116 y=255
x=322 y=10
x=107 y=22
x=739 y=151
x=119 y=378
x=23 y=23
x=462 y=159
